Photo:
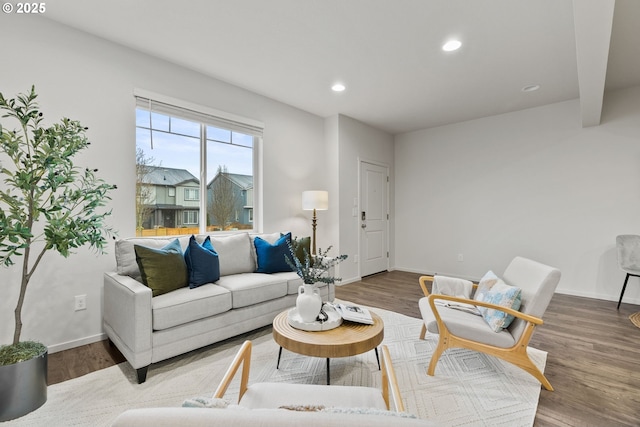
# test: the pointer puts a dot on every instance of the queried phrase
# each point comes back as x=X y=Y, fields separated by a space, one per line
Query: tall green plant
x=45 y=198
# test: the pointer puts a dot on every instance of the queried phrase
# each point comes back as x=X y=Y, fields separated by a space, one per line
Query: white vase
x=308 y=303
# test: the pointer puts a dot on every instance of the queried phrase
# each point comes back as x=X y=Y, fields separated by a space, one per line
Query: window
x=190 y=217
x=194 y=161
x=191 y=194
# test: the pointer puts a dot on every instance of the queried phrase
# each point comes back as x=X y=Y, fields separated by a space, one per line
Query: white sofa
x=148 y=329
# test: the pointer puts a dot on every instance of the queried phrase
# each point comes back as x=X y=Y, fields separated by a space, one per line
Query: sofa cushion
x=235 y=253
x=275 y=395
x=163 y=270
x=271 y=258
x=202 y=262
x=126 y=264
x=256 y=417
x=253 y=288
x=186 y=305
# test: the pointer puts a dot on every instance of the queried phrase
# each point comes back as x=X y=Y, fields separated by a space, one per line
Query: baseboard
x=347 y=281
x=591 y=295
x=599 y=296
x=76 y=343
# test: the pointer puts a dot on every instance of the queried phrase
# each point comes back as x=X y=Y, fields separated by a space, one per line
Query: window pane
x=217 y=134
x=229 y=186
x=160 y=121
x=185 y=127
x=242 y=139
x=167 y=169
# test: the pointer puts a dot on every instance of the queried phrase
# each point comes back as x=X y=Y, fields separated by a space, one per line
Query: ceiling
x=387 y=52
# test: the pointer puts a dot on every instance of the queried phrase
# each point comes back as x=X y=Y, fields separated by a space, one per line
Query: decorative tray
x=333 y=322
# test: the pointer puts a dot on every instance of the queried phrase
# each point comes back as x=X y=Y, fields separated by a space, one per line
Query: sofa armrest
x=127 y=317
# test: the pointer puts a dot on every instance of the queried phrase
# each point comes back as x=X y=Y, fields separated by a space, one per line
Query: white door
x=373 y=218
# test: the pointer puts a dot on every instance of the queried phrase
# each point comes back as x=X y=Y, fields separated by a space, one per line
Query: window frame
x=212 y=117
x=190 y=190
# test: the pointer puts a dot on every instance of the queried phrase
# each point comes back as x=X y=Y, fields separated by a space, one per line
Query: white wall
x=91 y=80
x=531 y=183
x=357 y=142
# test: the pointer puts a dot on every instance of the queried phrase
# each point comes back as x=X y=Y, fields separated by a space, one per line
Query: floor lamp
x=315 y=201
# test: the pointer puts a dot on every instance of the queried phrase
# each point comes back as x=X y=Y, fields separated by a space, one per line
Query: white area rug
x=469 y=388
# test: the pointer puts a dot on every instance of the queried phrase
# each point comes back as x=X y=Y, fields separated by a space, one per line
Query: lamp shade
x=318 y=200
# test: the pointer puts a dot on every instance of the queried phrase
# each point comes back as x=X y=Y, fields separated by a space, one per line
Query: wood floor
x=593 y=361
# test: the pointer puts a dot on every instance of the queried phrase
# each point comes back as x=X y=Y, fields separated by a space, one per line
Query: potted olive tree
x=47 y=203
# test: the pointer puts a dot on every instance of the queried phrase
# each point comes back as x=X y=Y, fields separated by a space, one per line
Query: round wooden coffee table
x=348 y=339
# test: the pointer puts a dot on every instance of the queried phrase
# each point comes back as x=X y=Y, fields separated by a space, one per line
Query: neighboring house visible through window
x=171 y=142
x=228 y=198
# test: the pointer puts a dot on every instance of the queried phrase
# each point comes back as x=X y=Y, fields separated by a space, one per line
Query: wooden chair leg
x=626 y=279
x=525 y=363
x=423 y=331
x=441 y=347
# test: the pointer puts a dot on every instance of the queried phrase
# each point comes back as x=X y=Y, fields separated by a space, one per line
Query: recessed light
x=451 y=45
x=531 y=88
x=338 y=87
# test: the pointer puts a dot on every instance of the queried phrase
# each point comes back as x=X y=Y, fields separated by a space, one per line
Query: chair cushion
x=538 y=283
x=275 y=395
x=186 y=305
x=493 y=290
x=464 y=325
x=252 y=288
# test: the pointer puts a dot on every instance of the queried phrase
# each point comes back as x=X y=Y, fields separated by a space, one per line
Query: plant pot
x=23 y=387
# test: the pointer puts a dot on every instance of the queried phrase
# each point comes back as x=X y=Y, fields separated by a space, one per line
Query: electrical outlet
x=460 y=258
x=81 y=302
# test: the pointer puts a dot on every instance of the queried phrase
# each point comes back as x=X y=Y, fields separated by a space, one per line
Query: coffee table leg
x=280 y=355
x=328 y=372
x=377 y=357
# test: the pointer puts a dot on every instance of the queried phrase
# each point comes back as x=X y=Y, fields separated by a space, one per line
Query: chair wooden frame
x=516 y=355
x=390 y=389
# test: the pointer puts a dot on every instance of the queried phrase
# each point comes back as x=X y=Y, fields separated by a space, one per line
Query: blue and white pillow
x=494 y=290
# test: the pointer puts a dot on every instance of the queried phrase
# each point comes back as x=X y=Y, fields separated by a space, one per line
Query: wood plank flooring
x=593 y=361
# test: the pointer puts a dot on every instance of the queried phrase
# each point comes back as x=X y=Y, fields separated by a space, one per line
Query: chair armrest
x=127 y=314
x=422 y=280
x=390 y=382
x=243 y=357
x=508 y=310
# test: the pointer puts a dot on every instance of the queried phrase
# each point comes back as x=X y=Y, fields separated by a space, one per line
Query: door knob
x=364 y=225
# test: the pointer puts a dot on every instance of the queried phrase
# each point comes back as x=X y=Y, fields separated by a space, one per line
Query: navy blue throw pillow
x=202 y=262
x=271 y=257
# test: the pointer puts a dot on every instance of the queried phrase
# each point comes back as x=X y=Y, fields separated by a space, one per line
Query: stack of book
x=354 y=313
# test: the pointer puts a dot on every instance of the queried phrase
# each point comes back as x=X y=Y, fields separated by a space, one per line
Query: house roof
x=245 y=182
x=159 y=175
x=388 y=53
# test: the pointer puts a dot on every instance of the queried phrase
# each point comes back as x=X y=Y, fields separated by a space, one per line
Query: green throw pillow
x=163 y=270
x=304 y=244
